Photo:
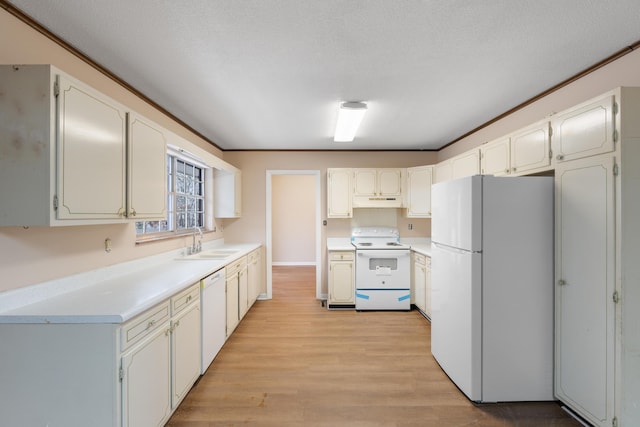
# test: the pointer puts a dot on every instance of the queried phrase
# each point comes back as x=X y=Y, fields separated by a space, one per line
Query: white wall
x=293 y=237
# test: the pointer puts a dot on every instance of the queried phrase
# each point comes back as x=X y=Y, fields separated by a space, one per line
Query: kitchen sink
x=211 y=254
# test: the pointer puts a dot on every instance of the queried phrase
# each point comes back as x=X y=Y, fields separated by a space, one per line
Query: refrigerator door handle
x=452 y=249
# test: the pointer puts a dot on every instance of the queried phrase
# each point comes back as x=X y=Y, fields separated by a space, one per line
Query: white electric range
x=382 y=269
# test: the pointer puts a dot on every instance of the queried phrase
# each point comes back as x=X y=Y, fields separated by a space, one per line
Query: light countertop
x=111 y=294
x=340 y=244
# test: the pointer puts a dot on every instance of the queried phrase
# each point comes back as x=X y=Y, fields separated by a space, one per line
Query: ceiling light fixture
x=350 y=115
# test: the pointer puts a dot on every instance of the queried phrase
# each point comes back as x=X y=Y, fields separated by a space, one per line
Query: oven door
x=383 y=269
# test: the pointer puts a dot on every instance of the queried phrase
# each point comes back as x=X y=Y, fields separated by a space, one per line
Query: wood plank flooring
x=292 y=362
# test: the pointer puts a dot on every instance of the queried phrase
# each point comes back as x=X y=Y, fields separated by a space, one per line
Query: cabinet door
x=185 y=341
x=442 y=171
x=146 y=381
x=243 y=292
x=365 y=182
x=585 y=131
x=232 y=303
x=585 y=271
x=530 y=149
x=389 y=182
x=495 y=158
x=427 y=287
x=339 y=193
x=341 y=282
x=147 y=167
x=228 y=194
x=91 y=154
x=254 y=276
x=466 y=164
x=419 y=283
x=419 y=192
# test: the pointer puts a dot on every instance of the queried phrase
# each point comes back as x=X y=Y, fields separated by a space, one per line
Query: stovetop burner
x=371 y=238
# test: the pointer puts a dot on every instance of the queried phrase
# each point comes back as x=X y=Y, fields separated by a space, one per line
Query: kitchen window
x=185 y=200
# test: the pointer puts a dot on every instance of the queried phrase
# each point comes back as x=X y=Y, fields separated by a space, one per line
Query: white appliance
x=213 y=316
x=382 y=269
x=492 y=286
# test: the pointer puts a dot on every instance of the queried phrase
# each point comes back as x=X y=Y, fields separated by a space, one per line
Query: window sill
x=162 y=237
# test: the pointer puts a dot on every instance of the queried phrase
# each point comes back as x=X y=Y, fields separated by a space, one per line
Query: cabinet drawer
x=236 y=266
x=341 y=256
x=419 y=258
x=184 y=298
x=139 y=327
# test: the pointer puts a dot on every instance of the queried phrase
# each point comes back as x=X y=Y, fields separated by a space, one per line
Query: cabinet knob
x=513 y=170
x=562 y=282
x=150 y=324
x=506 y=170
x=559 y=157
x=133 y=212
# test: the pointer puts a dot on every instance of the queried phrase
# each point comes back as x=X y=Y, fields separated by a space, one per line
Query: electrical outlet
x=410 y=226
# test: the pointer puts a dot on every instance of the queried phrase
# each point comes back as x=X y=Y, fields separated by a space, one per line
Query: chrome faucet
x=196 y=248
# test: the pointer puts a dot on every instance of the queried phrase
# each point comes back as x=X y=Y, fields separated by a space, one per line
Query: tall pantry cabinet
x=597 y=361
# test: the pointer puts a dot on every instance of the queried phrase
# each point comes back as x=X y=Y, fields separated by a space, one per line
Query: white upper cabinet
x=419 y=192
x=147 y=171
x=65 y=161
x=530 y=149
x=227 y=194
x=465 y=164
x=442 y=171
x=585 y=130
x=339 y=193
x=377 y=187
x=92 y=151
x=495 y=157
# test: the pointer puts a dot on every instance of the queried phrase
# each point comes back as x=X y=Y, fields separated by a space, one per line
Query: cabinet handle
x=559 y=157
x=562 y=282
x=150 y=324
x=133 y=212
x=188 y=299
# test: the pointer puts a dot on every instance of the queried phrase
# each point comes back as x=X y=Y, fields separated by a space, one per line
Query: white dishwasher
x=213 y=316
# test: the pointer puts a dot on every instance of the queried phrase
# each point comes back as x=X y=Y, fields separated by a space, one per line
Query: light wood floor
x=292 y=362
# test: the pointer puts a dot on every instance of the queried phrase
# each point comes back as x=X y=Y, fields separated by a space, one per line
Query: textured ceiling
x=269 y=74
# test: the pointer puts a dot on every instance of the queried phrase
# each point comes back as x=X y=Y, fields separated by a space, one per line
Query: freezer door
x=456 y=317
x=456 y=213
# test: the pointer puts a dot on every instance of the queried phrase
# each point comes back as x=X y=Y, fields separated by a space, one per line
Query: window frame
x=204 y=198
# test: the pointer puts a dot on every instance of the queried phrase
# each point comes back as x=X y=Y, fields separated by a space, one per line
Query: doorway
x=316 y=227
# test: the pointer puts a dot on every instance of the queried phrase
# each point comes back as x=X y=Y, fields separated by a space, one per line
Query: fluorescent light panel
x=350 y=115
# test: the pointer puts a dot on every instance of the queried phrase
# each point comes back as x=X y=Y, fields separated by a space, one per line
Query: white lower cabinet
x=421 y=283
x=146 y=381
x=236 y=289
x=158 y=372
x=101 y=374
x=342 y=288
x=254 y=276
x=185 y=348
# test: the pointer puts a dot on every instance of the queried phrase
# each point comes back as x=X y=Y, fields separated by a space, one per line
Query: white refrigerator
x=492 y=286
